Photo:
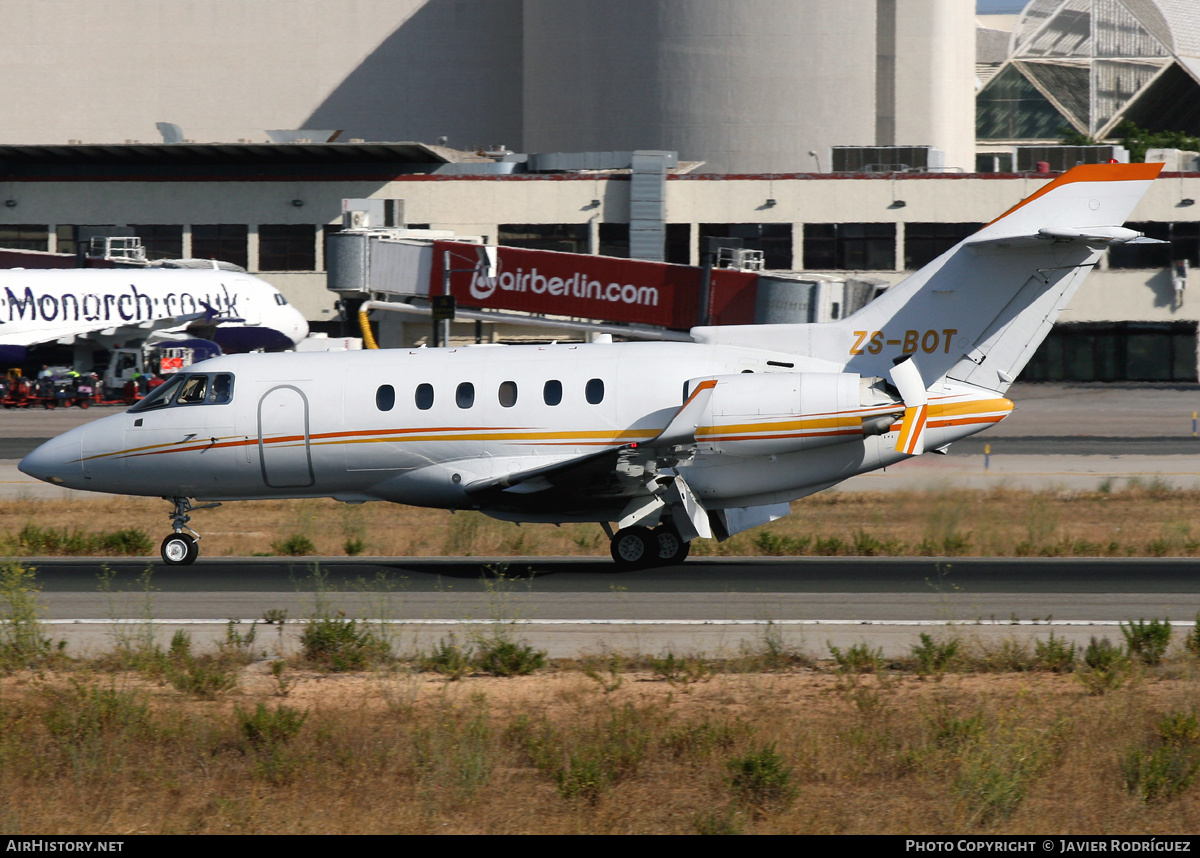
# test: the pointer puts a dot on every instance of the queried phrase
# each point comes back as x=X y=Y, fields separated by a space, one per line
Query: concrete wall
x=750 y=86
x=104 y=71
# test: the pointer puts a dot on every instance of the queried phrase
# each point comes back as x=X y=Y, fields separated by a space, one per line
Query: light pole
x=443 y=306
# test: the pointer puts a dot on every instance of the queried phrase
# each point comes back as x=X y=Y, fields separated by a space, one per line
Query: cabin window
x=552 y=392
x=464 y=396
x=385 y=397
x=508 y=394
x=594 y=391
x=424 y=396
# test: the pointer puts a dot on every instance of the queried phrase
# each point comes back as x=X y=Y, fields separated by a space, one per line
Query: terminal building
x=833 y=137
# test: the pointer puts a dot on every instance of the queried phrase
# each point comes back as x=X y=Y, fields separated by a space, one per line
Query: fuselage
x=423 y=426
x=39 y=306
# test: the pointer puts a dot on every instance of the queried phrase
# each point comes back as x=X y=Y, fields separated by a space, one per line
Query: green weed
x=449 y=659
x=680 y=670
x=761 y=779
x=337 y=643
x=860 y=658
x=453 y=751
x=22 y=642
x=1147 y=641
x=1162 y=768
x=1055 y=654
x=296 y=545
x=1106 y=667
x=934 y=657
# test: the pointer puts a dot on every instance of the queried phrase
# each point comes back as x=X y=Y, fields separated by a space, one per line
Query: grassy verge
x=1129 y=518
x=397 y=749
x=350 y=735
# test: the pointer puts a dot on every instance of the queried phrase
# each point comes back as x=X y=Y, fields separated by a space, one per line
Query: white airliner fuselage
x=115 y=305
x=672 y=441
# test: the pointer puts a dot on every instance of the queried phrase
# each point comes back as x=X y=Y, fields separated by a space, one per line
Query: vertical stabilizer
x=979 y=311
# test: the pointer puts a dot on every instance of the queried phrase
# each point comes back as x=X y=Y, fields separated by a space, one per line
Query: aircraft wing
x=583 y=482
x=616 y=475
x=105 y=329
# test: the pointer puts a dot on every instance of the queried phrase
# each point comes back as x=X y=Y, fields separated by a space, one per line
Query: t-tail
x=977 y=313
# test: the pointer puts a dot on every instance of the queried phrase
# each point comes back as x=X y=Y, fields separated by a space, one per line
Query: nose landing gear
x=180 y=549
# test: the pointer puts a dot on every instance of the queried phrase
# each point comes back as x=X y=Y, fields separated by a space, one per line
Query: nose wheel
x=179 y=549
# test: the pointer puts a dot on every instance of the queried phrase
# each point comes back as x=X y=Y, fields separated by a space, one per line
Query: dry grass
x=1134 y=519
x=396 y=751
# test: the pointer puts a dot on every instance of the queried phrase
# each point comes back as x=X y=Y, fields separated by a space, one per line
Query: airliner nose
x=58 y=461
x=300 y=326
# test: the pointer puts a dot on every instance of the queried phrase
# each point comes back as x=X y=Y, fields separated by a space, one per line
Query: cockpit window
x=194 y=390
x=198 y=388
x=161 y=395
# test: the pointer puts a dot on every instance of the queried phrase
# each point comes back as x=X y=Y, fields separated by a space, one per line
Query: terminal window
x=25 y=236
x=925 y=242
x=773 y=239
x=614 y=240
x=287 y=247
x=1120 y=351
x=161 y=241
x=1185 y=244
x=225 y=242
x=563 y=237
x=849 y=246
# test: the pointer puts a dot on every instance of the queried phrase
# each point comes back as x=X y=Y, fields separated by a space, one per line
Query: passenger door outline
x=284 y=464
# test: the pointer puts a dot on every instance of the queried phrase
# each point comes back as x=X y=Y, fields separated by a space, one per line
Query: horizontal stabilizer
x=1103 y=235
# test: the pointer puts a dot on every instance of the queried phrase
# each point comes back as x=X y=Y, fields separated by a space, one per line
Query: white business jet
x=671 y=441
x=39 y=306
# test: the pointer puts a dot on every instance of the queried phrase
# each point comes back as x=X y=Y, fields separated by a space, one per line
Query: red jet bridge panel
x=594 y=287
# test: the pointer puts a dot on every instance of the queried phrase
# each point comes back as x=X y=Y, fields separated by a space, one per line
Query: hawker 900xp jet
x=669 y=441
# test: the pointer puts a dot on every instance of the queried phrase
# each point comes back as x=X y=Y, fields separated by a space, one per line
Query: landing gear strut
x=180 y=549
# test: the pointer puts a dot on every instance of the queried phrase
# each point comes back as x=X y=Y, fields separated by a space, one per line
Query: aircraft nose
x=58 y=461
x=301 y=326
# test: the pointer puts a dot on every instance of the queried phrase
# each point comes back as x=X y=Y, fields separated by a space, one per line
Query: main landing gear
x=641 y=548
x=180 y=549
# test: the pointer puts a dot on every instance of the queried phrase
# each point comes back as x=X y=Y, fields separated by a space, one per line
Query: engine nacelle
x=783 y=412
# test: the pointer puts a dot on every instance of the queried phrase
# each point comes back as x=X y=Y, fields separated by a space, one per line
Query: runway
x=572 y=607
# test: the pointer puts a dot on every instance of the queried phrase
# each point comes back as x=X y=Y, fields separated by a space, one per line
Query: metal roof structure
x=1090 y=64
